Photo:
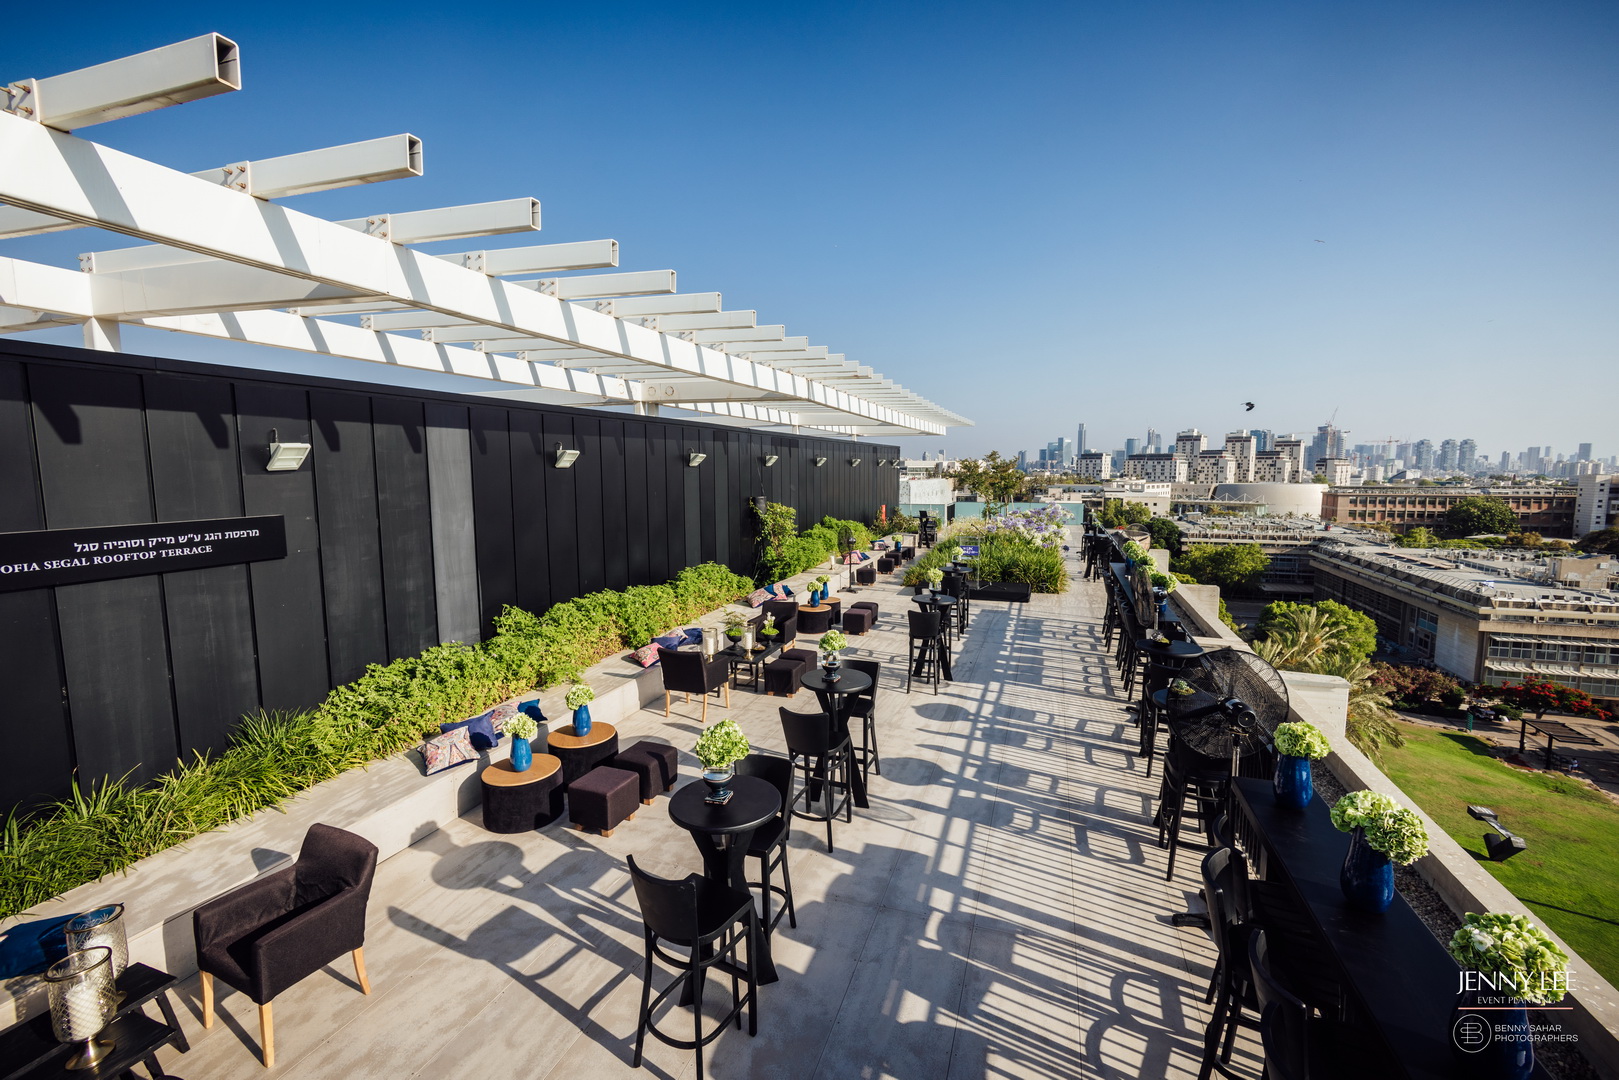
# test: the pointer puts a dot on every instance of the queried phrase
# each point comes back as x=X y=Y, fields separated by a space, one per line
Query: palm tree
x=1369 y=721
x=1302 y=637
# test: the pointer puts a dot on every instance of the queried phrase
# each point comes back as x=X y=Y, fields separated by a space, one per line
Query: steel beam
x=736 y=334
x=452 y=222
x=717 y=320
x=171 y=75
x=679 y=304
x=590 y=286
x=393 y=157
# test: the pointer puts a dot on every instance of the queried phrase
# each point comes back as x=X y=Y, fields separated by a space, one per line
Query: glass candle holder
x=81 y=990
x=101 y=928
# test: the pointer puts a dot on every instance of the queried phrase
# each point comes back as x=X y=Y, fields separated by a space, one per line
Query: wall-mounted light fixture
x=881 y=462
x=694 y=459
x=285 y=456
x=854 y=461
x=565 y=458
x=898 y=464
x=819 y=462
x=771 y=459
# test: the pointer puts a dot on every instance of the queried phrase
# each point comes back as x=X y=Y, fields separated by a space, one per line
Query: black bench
x=1011 y=591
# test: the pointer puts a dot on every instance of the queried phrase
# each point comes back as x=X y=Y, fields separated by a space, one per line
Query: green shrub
x=1003 y=557
x=932 y=559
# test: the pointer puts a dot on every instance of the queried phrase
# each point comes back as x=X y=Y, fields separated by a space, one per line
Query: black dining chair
x=862 y=706
x=769 y=841
x=922 y=651
x=689 y=673
x=1298 y=1046
x=1188 y=777
x=701 y=917
x=826 y=764
x=1235 y=1003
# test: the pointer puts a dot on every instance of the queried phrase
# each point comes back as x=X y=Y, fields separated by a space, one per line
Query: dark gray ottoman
x=858 y=620
x=656 y=763
x=602 y=799
x=866 y=575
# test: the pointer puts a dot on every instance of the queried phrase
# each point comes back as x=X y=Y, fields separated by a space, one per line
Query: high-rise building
x=1080 y=445
x=1263 y=439
x=1023 y=460
x=1422 y=454
x=1447 y=456
x=1328 y=443
x=1155 y=442
x=1467 y=456
x=1506 y=462
x=1189 y=444
x=1240 y=445
x=1585 y=452
x=1095 y=464
x=1132 y=447
x=1531 y=459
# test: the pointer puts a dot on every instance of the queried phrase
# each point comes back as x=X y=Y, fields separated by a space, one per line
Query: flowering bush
x=1390 y=827
x=1045 y=527
x=1510 y=945
x=721 y=744
x=579 y=695
x=522 y=727
x=833 y=640
x=1302 y=740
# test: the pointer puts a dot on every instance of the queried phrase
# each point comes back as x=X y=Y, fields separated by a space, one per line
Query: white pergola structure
x=225 y=260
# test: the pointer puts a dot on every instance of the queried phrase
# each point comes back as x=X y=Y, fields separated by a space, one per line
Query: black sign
x=33 y=560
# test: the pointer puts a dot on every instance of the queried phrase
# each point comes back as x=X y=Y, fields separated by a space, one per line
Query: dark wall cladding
x=417 y=517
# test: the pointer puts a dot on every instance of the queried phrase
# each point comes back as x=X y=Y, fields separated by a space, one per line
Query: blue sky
x=1035 y=214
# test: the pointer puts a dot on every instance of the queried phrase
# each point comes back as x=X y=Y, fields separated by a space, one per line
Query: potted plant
x=736 y=624
x=769 y=630
x=719 y=747
x=1507 y=964
x=1382 y=832
x=522 y=728
x=822 y=590
x=1297 y=744
x=832 y=642
x=933 y=577
x=578 y=699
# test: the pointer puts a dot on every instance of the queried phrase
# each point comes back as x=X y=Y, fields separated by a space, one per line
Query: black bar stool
x=922 y=653
x=826 y=768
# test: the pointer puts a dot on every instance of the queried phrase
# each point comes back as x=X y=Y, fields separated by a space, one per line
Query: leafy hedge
x=386 y=710
x=933 y=558
x=786 y=554
x=1007 y=558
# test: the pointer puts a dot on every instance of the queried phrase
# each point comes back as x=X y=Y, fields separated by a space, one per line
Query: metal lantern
x=103 y=927
x=82 y=992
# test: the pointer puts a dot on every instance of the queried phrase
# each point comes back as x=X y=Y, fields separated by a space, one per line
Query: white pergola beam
x=392 y=157
x=540 y=258
x=679 y=304
x=171 y=75
x=717 y=320
x=736 y=334
x=590 y=286
x=15 y=222
x=37 y=287
x=452 y=222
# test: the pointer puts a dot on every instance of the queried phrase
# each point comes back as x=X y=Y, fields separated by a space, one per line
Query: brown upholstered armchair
x=689 y=673
x=271 y=933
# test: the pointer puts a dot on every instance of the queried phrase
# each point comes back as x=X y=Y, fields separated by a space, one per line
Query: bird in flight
x=1321 y=241
x=1247 y=406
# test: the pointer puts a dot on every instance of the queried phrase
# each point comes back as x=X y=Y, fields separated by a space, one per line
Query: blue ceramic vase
x=1293 y=781
x=1367 y=878
x=1483 y=1036
x=522 y=754
x=581 y=721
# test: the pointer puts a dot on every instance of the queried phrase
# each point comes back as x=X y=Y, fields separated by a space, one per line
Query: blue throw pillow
x=479 y=729
x=771 y=589
x=671 y=641
x=531 y=709
x=694 y=635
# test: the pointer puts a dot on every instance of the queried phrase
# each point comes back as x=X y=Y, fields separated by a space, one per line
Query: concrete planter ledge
x=389 y=802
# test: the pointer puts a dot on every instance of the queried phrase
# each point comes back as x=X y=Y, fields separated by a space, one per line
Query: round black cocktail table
x=830 y=693
x=581 y=753
x=722 y=833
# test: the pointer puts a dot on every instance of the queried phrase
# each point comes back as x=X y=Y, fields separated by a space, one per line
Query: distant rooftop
x=1494 y=579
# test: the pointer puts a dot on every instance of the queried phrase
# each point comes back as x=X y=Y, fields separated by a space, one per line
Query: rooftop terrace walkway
x=999 y=911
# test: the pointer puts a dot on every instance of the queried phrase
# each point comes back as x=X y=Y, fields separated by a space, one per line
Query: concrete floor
x=999 y=911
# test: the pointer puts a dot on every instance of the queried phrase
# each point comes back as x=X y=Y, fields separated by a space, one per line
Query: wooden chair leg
x=207 y=1000
x=267 y=1035
x=359 y=970
x=727 y=695
x=666 y=704
x=705 y=709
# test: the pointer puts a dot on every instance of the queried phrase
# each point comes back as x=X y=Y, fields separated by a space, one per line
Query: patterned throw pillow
x=757 y=597
x=498 y=716
x=646 y=655
x=448 y=750
x=479 y=729
x=784 y=588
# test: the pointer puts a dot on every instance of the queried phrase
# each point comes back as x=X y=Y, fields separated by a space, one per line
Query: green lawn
x=1569 y=874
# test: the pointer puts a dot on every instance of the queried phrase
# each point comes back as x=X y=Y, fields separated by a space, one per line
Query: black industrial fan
x=1243 y=699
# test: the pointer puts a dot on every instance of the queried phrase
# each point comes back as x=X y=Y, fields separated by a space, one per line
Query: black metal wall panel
x=561 y=510
x=710 y=479
x=530 y=493
x=669 y=544
x=492 y=507
x=638 y=460
x=589 y=512
x=114 y=649
x=455 y=547
x=288 y=602
x=404 y=518
x=34 y=708
x=344 y=460
x=691 y=495
x=191 y=428
x=615 y=511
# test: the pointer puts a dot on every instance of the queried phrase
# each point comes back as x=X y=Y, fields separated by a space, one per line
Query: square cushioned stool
x=858 y=620
x=870 y=606
x=603 y=799
x=656 y=763
x=781 y=675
